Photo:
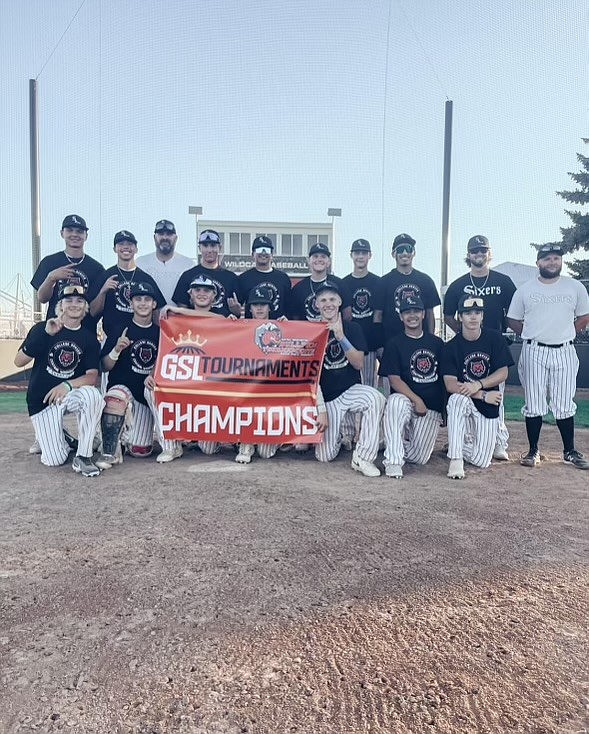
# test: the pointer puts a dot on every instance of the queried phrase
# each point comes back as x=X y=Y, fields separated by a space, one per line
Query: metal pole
x=446 y=206
x=35 y=189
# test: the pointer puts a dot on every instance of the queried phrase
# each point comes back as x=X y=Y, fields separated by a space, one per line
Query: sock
x=566 y=426
x=533 y=428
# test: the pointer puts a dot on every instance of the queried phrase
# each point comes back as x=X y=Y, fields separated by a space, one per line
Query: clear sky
x=255 y=109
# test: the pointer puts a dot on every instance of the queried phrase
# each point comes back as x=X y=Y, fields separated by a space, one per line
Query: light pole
x=333 y=213
x=196 y=210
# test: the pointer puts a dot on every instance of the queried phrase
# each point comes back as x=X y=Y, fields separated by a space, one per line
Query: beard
x=165 y=247
x=549 y=274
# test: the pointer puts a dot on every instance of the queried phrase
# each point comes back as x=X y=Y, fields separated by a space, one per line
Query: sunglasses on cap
x=164 y=225
x=400 y=249
x=473 y=303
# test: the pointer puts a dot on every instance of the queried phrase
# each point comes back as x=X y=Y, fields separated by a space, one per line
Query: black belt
x=552 y=346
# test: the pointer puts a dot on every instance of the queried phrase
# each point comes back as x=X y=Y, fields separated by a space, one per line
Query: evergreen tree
x=576 y=237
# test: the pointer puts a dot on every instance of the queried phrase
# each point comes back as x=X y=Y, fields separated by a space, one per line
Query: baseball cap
x=259 y=295
x=164 y=225
x=319 y=248
x=125 y=236
x=69 y=291
x=477 y=241
x=201 y=281
x=328 y=285
x=550 y=248
x=360 y=246
x=209 y=235
x=411 y=302
x=74 y=220
x=141 y=289
x=470 y=303
x=403 y=239
x=262 y=241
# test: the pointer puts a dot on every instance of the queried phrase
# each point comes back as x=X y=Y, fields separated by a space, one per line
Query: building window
x=313 y=239
x=292 y=244
x=239 y=243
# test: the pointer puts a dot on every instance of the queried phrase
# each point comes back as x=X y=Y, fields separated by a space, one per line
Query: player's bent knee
x=116 y=400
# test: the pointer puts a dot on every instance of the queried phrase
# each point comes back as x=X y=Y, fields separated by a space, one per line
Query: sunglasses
x=403 y=248
x=473 y=303
x=166 y=226
x=263 y=250
x=72 y=290
x=478 y=249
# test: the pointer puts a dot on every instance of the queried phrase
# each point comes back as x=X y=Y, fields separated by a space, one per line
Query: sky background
x=258 y=110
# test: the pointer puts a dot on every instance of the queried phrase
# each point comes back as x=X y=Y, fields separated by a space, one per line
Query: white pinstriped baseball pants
x=549 y=379
x=358 y=399
x=86 y=403
x=471 y=436
x=408 y=436
x=167 y=444
x=368 y=373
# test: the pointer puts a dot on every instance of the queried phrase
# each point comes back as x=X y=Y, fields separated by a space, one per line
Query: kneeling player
x=414 y=410
x=129 y=361
x=62 y=381
x=474 y=363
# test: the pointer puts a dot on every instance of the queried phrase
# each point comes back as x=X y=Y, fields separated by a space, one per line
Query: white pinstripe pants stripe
x=86 y=403
x=502 y=432
x=167 y=444
x=471 y=436
x=549 y=379
x=368 y=373
x=408 y=436
x=358 y=398
x=140 y=433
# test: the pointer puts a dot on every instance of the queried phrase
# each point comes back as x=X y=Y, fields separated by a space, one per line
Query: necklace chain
x=127 y=280
x=479 y=287
x=73 y=260
x=319 y=282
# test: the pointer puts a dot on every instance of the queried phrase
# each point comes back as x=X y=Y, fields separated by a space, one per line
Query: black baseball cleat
x=532 y=458
x=576 y=458
x=84 y=465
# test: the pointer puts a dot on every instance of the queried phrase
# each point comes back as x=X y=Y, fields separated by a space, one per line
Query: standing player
x=62 y=381
x=276 y=282
x=69 y=267
x=342 y=389
x=209 y=245
x=497 y=291
x=129 y=360
x=413 y=413
x=302 y=298
x=474 y=363
x=365 y=291
x=548 y=311
x=403 y=281
x=165 y=265
x=110 y=295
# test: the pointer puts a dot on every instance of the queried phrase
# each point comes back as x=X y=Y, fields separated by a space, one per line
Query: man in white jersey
x=165 y=265
x=547 y=312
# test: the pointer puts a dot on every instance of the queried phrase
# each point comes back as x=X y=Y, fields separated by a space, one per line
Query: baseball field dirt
x=288 y=596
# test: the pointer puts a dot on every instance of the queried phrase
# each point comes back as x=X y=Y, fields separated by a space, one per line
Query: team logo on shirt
x=143 y=356
x=311 y=308
x=123 y=297
x=361 y=304
x=476 y=365
x=267 y=336
x=407 y=290
x=272 y=292
x=423 y=366
x=335 y=357
x=76 y=278
x=63 y=359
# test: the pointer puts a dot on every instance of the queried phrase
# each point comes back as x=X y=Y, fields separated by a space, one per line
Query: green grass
x=14 y=402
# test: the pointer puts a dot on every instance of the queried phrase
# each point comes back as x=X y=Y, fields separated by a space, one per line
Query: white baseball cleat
x=364 y=467
x=456 y=469
x=500 y=454
x=35 y=448
x=169 y=455
x=394 y=470
x=246 y=451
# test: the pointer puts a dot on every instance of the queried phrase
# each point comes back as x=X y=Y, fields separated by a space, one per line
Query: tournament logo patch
x=267 y=336
x=423 y=366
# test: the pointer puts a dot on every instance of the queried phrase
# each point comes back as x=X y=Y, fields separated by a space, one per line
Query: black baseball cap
x=403 y=239
x=74 y=221
x=259 y=295
x=328 y=285
x=360 y=246
x=125 y=236
x=141 y=289
x=262 y=241
x=550 y=248
x=477 y=241
x=411 y=302
x=470 y=303
x=164 y=225
x=201 y=281
x=319 y=248
x=69 y=291
x=209 y=235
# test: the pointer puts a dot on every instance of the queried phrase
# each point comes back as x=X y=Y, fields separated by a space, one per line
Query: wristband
x=346 y=344
x=484 y=396
x=481 y=384
x=114 y=355
x=68 y=385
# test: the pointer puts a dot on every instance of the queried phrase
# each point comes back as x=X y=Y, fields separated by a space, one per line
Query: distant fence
x=582 y=347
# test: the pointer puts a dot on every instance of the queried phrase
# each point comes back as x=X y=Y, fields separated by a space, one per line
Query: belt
x=551 y=346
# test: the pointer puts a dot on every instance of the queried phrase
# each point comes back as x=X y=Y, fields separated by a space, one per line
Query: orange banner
x=248 y=381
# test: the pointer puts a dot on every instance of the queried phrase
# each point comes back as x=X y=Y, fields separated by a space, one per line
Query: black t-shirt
x=417 y=363
x=225 y=280
x=496 y=290
x=470 y=361
x=86 y=272
x=338 y=374
x=366 y=298
x=136 y=361
x=118 y=312
x=68 y=354
x=302 y=298
x=396 y=286
x=275 y=281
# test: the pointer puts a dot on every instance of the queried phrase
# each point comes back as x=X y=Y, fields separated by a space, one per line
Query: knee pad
x=140 y=452
x=117 y=398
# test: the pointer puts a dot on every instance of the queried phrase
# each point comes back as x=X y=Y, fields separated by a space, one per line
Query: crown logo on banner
x=189 y=340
